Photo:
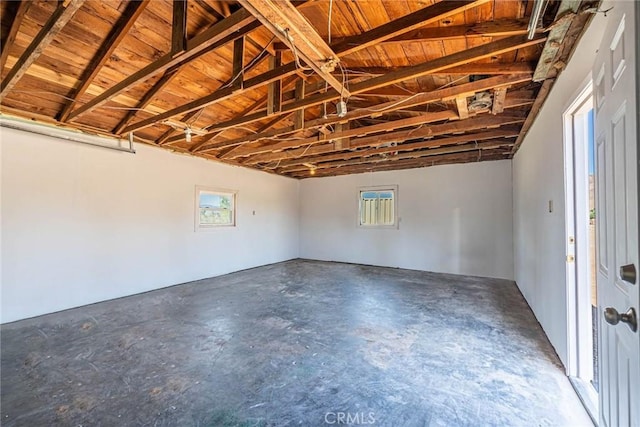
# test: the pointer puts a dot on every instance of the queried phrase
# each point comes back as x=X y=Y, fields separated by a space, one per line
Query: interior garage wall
x=82 y=224
x=453 y=219
x=538 y=177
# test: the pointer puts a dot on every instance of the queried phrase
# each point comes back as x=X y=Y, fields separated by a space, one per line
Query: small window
x=378 y=206
x=215 y=208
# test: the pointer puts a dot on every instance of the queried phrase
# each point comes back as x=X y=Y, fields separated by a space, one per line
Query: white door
x=616 y=133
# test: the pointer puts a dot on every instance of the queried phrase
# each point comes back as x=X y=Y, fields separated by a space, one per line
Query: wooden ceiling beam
x=458 y=126
x=227 y=30
x=505 y=45
x=165 y=137
x=462 y=106
x=179 y=27
x=274 y=90
x=447 y=159
x=292 y=155
x=393 y=156
x=61 y=15
x=305 y=154
x=146 y=99
x=466 y=69
x=499 y=97
x=496 y=28
x=499 y=47
x=20 y=12
x=272 y=123
x=260 y=103
x=342 y=143
x=221 y=94
x=292 y=28
x=413 y=101
x=119 y=31
x=389 y=30
x=159 y=86
x=470 y=125
x=244 y=150
x=237 y=65
x=465 y=157
x=299 y=94
x=423 y=17
x=427 y=144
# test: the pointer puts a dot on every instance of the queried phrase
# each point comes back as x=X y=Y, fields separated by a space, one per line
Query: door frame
x=578 y=292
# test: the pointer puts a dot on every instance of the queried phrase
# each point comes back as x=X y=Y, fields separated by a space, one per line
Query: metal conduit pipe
x=538 y=7
x=67 y=134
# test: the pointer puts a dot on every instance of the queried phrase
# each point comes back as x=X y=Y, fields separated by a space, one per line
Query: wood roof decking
x=408 y=70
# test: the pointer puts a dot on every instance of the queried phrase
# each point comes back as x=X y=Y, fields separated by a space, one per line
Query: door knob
x=628 y=273
x=612 y=317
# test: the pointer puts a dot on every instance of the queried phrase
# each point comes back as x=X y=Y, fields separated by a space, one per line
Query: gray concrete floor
x=296 y=343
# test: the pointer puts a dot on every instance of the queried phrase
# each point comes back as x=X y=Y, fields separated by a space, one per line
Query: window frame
x=198 y=226
x=378 y=188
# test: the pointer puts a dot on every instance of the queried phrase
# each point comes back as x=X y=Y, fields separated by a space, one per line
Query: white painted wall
x=82 y=224
x=453 y=219
x=538 y=176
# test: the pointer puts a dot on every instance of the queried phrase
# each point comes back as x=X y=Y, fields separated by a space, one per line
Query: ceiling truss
x=437 y=84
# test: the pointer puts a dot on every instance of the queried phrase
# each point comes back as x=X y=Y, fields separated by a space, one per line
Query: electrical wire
x=452 y=82
x=249 y=65
x=365 y=73
x=196 y=116
x=304 y=152
x=345 y=83
x=273 y=168
x=295 y=51
x=329 y=22
x=244 y=128
x=49 y=92
x=291 y=138
x=392 y=105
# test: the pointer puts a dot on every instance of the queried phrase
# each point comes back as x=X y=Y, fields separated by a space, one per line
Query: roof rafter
x=133 y=10
x=412 y=21
x=496 y=28
x=179 y=27
x=260 y=103
x=244 y=150
x=399 y=26
x=61 y=15
x=505 y=45
x=291 y=27
x=472 y=124
x=466 y=157
x=164 y=138
x=217 y=96
x=215 y=36
x=369 y=157
x=23 y=7
x=467 y=69
x=412 y=101
x=327 y=153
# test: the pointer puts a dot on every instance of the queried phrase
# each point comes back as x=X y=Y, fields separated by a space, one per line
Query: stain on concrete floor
x=296 y=343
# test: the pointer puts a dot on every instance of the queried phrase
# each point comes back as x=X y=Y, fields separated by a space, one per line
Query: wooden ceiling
x=297 y=88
